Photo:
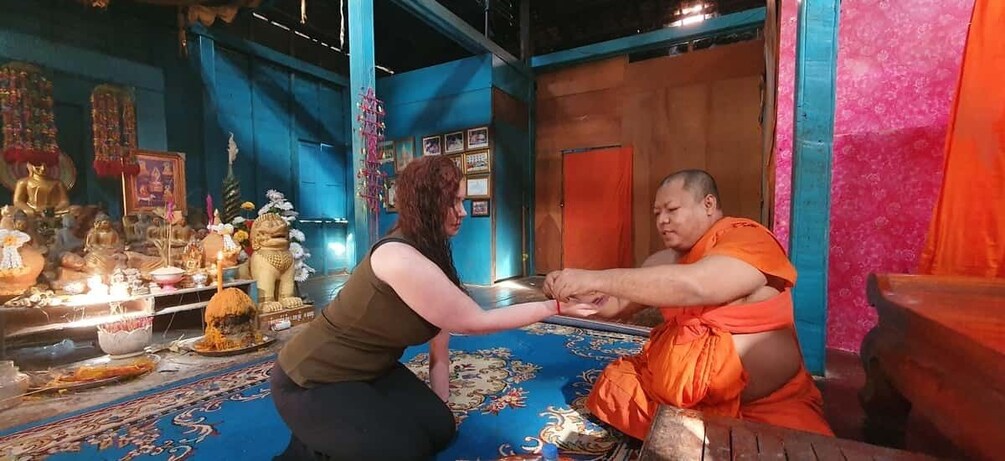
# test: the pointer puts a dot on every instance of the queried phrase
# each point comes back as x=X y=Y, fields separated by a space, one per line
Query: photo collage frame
x=469 y=148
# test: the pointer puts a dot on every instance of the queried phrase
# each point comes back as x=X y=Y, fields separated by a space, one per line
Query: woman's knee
x=442 y=429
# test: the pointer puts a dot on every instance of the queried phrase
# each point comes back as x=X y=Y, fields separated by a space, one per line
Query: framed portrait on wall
x=479 y=208
x=389 y=195
x=458 y=160
x=478 y=187
x=162 y=175
x=476 y=162
x=432 y=145
x=478 y=137
x=404 y=152
x=386 y=152
x=453 y=142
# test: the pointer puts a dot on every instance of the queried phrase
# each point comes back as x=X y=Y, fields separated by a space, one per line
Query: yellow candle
x=219 y=271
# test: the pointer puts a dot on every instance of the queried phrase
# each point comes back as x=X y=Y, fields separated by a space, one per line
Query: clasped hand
x=573 y=289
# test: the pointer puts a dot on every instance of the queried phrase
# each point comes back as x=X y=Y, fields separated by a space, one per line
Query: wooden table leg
x=885 y=407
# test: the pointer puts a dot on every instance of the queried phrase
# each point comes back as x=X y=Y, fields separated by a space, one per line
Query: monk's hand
x=574 y=283
x=549 y=282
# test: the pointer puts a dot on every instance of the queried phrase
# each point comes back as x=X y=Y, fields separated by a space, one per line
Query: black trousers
x=394 y=417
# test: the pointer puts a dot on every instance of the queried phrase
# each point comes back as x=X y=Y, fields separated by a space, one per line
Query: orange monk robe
x=690 y=361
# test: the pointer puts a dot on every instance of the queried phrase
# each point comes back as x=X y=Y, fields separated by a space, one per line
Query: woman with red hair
x=339 y=385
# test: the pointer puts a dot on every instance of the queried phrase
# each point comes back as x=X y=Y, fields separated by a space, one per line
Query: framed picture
x=431 y=145
x=453 y=142
x=389 y=195
x=478 y=137
x=162 y=175
x=458 y=160
x=479 y=208
x=404 y=152
x=386 y=149
x=478 y=187
x=476 y=162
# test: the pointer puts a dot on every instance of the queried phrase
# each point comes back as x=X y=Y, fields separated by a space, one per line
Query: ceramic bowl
x=122 y=343
x=167 y=275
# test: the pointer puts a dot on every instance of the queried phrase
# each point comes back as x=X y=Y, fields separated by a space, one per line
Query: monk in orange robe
x=728 y=345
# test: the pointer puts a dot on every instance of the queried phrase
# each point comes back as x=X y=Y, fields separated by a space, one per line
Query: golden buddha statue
x=103 y=247
x=36 y=193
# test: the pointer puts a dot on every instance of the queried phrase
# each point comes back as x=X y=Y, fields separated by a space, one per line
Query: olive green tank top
x=360 y=335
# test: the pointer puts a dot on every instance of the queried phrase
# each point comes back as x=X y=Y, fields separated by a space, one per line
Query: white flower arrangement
x=279 y=205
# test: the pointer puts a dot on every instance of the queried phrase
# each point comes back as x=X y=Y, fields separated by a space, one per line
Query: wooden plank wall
x=696 y=110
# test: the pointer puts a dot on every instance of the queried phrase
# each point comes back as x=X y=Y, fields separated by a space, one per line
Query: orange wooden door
x=597 y=209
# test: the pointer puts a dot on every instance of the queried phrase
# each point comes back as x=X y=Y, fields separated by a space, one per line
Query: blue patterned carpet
x=511 y=392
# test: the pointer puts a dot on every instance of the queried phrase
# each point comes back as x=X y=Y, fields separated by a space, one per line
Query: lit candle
x=219 y=271
x=97 y=288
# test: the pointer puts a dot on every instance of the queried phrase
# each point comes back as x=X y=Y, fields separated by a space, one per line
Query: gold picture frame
x=161 y=174
x=477 y=187
x=479 y=161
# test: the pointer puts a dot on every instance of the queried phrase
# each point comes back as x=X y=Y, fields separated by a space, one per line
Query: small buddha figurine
x=193 y=256
x=103 y=247
x=156 y=230
x=65 y=239
x=7 y=217
x=141 y=226
x=38 y=194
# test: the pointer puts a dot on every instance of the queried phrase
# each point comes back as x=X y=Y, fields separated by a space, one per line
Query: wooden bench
x=938 y=351
x=688 y=435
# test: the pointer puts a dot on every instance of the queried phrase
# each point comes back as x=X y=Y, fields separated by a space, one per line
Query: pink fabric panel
x=898 y=63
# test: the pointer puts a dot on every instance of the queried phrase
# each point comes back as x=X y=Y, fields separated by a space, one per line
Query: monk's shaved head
x=698 y=182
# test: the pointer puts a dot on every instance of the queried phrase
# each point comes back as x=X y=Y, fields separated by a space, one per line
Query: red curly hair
x=424 y=195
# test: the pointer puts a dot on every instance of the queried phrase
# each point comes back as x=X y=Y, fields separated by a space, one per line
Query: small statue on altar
x=65 y=238
x=71 y=269
x=21 y=221
x=7 y=217
x=143 y=223
x=180 y=230
x=155 y=231
x=37 y=194
x=272 y=263
x=103 y=247
x=220 y=240
x=193 y=256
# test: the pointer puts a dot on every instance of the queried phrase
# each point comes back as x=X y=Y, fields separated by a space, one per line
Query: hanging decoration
x=29 y=128
x=113 y=116
x=371 y=178
x=371 y=127
x=303 y=11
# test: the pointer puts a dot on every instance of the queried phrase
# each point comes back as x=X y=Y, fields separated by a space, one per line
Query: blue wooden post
x=361 y=77
x=813 y=146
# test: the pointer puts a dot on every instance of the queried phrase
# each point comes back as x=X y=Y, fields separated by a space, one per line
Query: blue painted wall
x=459 y=95
x=436 y=100
x=290 y=128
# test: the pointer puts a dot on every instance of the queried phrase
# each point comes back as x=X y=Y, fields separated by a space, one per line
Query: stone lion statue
x=271 y=264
